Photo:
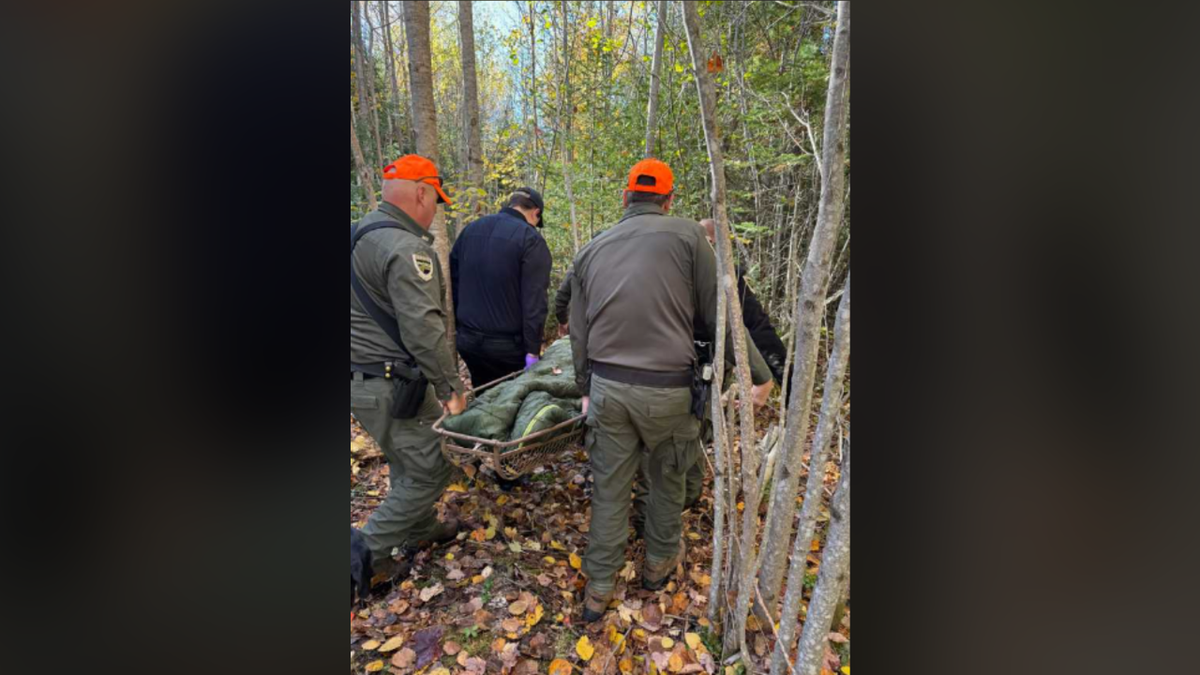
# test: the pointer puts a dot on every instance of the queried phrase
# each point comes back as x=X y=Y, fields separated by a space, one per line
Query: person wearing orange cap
x=402 y=373
x=638 y=295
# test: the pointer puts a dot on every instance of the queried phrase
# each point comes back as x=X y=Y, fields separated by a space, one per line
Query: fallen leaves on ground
x=506 y=597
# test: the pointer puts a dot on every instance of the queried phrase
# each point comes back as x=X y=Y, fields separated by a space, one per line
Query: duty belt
x=643 y=378
x=385 y=370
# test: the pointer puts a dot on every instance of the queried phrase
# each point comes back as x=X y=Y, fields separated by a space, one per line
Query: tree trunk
x=420 y=71
x=656 y=80
x=356 y=46
x=394 y=113
x=779 y=523
x=360 y=163
x=835 y=571
x=372 y=97
x=736 y=629
x=473 y=145
x=533 y=88
x=814 y=289
x=565 y=120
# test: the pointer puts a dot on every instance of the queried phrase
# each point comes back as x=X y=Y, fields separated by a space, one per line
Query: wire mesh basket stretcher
x=510 y=459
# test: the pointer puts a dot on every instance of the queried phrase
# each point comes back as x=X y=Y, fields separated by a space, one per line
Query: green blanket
x=541 y=398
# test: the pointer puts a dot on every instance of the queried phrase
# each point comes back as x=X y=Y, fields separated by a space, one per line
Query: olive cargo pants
x=625 y=422
x=419 y=471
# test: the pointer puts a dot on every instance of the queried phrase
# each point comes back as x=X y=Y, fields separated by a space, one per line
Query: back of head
x=710 y=226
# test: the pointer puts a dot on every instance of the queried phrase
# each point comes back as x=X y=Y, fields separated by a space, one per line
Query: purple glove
x=531 y=361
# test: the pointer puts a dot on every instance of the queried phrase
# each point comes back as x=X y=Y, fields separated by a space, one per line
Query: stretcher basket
x=511 y=459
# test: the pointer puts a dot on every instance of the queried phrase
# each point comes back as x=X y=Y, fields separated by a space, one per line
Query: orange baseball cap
x=419 y=170
x=651 y=176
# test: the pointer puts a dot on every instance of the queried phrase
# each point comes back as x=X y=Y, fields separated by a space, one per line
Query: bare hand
x=587 y=404
x=456 y=405
x=761 y=394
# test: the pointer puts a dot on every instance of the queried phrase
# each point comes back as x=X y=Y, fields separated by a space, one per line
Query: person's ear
x=625 y=198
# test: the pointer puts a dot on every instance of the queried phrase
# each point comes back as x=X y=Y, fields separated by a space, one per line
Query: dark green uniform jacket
x=640 y=291
x=400 y=271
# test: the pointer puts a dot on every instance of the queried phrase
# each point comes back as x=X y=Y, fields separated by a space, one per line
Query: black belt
x=372 y=371
x=643 y=378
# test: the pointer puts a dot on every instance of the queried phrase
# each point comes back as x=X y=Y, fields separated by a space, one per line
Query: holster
x=409 y=387
x=702 y=379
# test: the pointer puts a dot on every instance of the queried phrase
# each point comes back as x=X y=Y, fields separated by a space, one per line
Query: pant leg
x=615 y=452
x=419 y=471
x=641 y=494
x=695 y=479
x=672 y=435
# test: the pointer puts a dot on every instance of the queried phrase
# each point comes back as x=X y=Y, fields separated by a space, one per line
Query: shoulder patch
x=424 y=265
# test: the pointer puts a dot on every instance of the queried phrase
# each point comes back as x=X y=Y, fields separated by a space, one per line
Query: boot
x=595 y=604
x=654 y=577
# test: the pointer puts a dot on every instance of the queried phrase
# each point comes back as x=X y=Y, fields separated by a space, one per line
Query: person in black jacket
x=758 y=322
x=500 y=268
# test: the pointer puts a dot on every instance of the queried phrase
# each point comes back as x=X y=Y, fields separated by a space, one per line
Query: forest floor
x=505 y=598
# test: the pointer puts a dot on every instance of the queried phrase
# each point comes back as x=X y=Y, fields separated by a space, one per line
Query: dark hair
x=520 y=200
x=648 y=198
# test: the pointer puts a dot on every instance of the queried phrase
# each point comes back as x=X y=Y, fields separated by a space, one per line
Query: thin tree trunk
x=779 y=523
x=533 y=84
x=735 y=630
x=565 y=120
x=356 y=45
x=372 y=98
x=814 y=289
x=420 y=71
x=835 y=572
x=656 y=80
x=394 y=113
x=360 y=163
x=474 y=146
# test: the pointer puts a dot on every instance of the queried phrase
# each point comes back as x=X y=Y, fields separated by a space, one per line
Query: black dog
x=360 y=566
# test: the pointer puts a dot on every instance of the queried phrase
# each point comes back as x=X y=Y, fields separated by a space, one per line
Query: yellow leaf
x=549 y=561
x=510 y=532
x=560 y=667
x=846 y=670
x=816 y=546
x=456 y=488
x=489 y=534
x=585 y=649
x=557 y=546
x=668 y=643
x=576 y=562
x=502 y=500
x=371 y=646
x=676 y=663
x=535 y=617
x=694 y=642
x=392 y=645
x=626 y=666
x=376 y=667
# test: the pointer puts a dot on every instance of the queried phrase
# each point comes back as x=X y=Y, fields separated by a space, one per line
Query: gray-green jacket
x=640 y=292
x=400 y=271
